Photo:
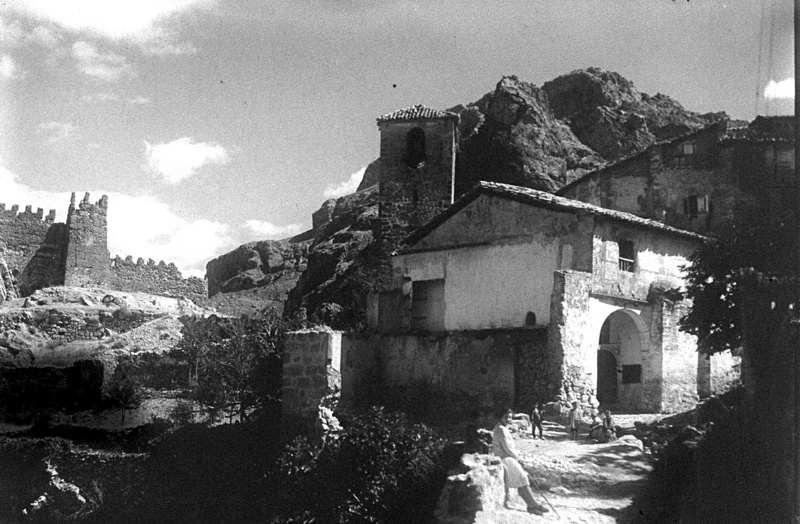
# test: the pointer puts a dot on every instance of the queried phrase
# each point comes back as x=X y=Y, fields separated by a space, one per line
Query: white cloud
x=44 y=36
x=178 y=160
x=106 y=67
x=144 y=227
x=270 y=231
x=137 y=226
x=58 y=131
x=782 y=89
x=113 y=97
x=347 y=187
x=136 y=21
x=8 y=67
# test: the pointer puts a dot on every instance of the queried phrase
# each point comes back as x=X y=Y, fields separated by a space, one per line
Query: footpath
x=580 y=481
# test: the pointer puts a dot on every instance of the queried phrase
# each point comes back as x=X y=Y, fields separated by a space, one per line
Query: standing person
x=536 y=421
x=575 y=420
x=515 y=477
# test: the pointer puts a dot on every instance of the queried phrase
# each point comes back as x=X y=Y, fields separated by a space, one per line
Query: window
x=627 y=255
x=427 y=305
x=784 y=167
x=632 y=374
x=695 y=205
x=415 y=147
x=684 y=153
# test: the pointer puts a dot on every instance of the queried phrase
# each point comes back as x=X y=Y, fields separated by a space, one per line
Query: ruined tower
x=87 y=260
x=417 y=168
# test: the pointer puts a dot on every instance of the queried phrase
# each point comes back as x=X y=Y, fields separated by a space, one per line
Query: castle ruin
x=37 y=252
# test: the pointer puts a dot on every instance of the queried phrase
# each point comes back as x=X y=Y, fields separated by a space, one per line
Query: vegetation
x=234 y=364
x=380 y=468
x=761 y=243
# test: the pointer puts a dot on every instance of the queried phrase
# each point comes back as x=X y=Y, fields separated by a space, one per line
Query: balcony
x=626 y=264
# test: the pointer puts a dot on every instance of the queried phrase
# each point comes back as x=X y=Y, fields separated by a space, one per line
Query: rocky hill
x=64 y=350
x=539 y=137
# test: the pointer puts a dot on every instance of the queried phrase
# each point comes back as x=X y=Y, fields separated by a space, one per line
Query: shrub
x=380 y=468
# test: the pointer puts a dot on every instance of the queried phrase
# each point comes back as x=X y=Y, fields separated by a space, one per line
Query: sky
x=212 y=123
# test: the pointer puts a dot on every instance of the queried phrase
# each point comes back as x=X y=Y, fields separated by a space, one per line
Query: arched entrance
x=621 y=345
x=606 y=377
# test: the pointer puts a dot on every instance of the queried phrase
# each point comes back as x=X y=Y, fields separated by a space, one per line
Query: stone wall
x=87 y=262
x=569 y=324
x=156 y=279
x=311 y=378
x=33 y=247
x=451 y=377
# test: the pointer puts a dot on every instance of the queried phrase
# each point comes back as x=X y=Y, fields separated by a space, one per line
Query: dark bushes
x=380 y=468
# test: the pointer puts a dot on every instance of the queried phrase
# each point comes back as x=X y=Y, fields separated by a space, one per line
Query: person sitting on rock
x=595 y=427
x=515 y=477
x=609 y=430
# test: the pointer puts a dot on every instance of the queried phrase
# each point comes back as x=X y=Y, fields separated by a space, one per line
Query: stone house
x=694 y=181
x=602 y=283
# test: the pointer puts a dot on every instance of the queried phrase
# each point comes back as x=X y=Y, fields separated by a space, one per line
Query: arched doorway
x=606 y=377
x=620 y=358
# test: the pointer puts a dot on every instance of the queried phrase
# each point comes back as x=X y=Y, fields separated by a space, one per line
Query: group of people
x=503 y=446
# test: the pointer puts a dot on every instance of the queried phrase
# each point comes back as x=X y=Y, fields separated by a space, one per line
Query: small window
x=627 y=255
x=785 y=159
x=632 y=374
x=530 y=318
x=695 y=205
x=784 y=168
x=688 y=148
x=415 y=147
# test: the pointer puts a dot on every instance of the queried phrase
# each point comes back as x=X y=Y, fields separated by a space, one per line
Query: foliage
x=234 y=364
x=123 y=392
x=761 y=242
x=380 y=468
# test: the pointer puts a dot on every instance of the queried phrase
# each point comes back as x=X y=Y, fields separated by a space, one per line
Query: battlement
x=118 y=261
x=28 y=214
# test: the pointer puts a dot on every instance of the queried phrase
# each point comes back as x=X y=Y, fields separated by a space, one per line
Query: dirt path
x=584 y=481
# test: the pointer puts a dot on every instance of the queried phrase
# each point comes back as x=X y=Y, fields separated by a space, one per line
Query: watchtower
x=87 y=262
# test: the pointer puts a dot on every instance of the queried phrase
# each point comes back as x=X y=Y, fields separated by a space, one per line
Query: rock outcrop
x=516 y=139
x=608 y=114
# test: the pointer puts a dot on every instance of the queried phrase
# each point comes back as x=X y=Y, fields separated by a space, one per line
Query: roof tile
x=417 y=112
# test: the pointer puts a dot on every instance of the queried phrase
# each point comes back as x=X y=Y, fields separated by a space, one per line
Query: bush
x=380 y=468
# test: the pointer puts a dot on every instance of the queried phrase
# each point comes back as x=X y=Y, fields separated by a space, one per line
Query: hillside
x=62 y=350
x=538 y=137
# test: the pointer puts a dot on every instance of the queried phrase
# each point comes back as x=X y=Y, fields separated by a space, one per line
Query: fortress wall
x=157 y=279
x=32 y=246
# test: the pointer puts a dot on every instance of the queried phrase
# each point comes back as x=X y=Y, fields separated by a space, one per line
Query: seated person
x=609 y=430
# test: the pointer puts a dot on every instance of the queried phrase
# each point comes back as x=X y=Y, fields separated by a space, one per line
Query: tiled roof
x=546 y=200
x=417 y=112
x=624 y=159
x=764 y=129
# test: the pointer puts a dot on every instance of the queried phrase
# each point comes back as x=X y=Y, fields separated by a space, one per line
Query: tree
x=759 y=245
x=234 y=363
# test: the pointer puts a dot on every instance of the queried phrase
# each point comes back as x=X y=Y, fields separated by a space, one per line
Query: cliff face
x=538 y=137
x=519 y=141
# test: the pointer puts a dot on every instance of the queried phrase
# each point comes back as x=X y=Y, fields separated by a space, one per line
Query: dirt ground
x=580 y=481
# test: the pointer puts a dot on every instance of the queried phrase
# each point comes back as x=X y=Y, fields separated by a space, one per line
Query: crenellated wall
x=33 y=247
x=161 y=278
x=38 y=253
